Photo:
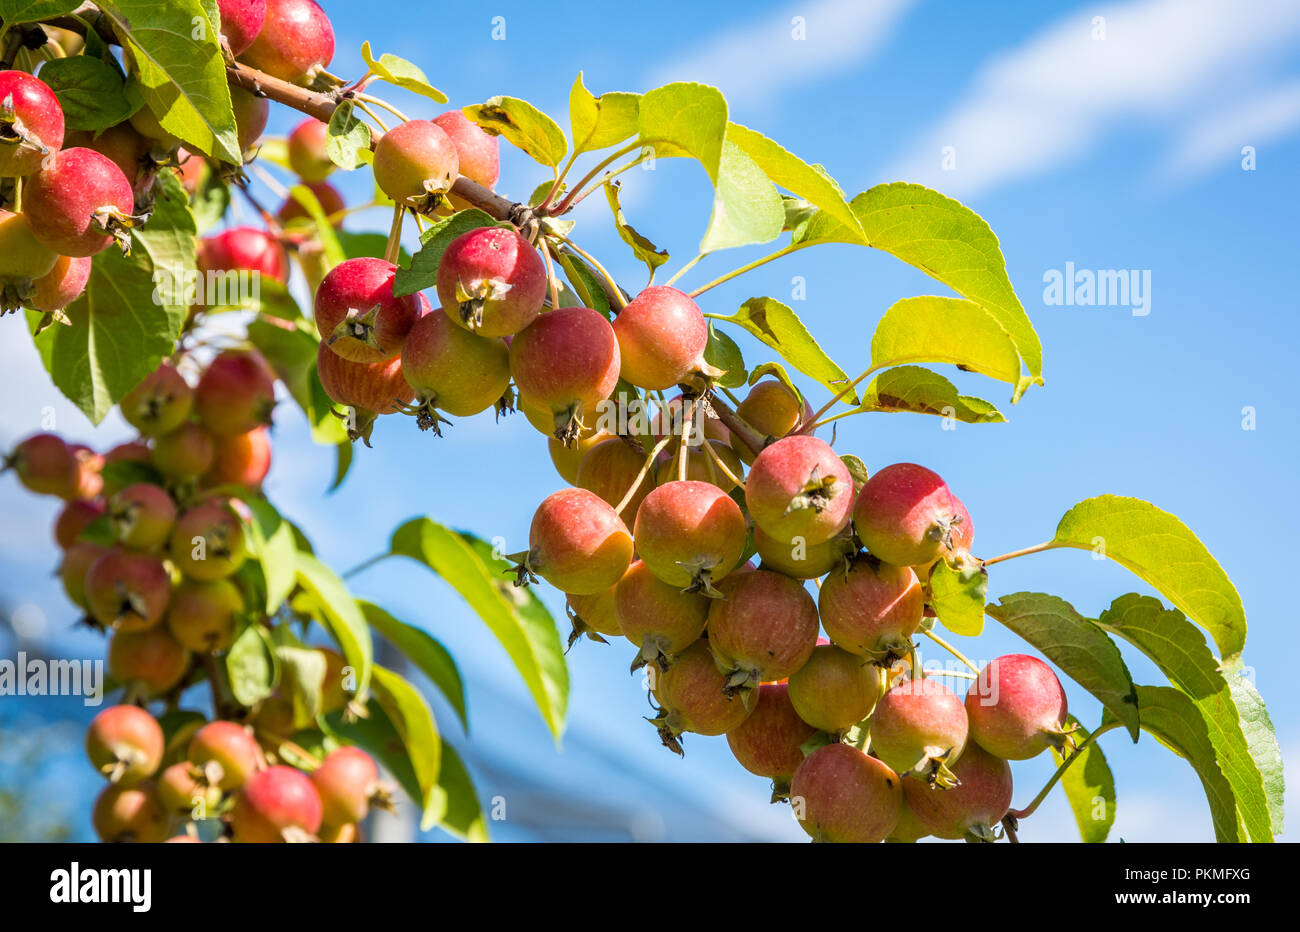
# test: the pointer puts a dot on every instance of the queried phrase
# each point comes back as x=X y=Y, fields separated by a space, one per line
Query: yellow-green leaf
x=1089 y=787
x=778 y=326
x=412 y=719
x=920 y=391
x=945 y=330
x=600 y=122
x=402 y=73
x=957 y=595
x=340 y=614
x=523 y=125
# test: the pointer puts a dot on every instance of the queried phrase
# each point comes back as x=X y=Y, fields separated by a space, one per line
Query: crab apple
x=327 y=196
x=594 y=615
x=46 y=465
x=347 y=782
x=208 y=542
x=700 y=466
x=61 y=285
x=565 y=363
x=125 y=145
x=307 y=155
x=370 y=386
x=762 y=629
x=840 y=794
x=872 y=609
x=226 y=752
x=75 y=517
x=142 y=515
x=1017 y=708
x=690 y=534
x=125 y=744
x=182 y=789
x=23 y=259
x=252 y=113
x=908 y=829
x=78 y=203
x=358 y=315
x=243 y=459
x=452 y=370
x=772 y=409
x=907 y=515
x=275 y=805
x=241 y=21
x=416 y=164
x=477 y=151
x=609 y=469
x=568 y=459
x=160 y=403
x=235 y=394
x=692 y=697
x=295 y=44
x=834 y=690
x=658 y=618
x=146 y=124
x=799 y=487
x=77 y=559
x=919 y=727
x=796 y=558
x=768 y=742
x=346 y=834
x=129 y=813
x=127 y=591
x=202 y=614
x=244 y=249
x=973 y=807
x=31 y=123
x=578 y=543
x=133 y=451
x=90 y=480
x=150 y=662
x=661 y=338
x=492 y=281
x=185 y=453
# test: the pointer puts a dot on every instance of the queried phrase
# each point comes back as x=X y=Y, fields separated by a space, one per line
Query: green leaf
x=1163 y=551
x=273 y=546
x=514 y=614
x=957 y=595
x=600 y=122
x=251 y=666
x=523 y=125
x=423 y=650
x=1175 y=646
x=1089 y=787
x=779 y=327
x=210 y=201
x=778 y=370
x=690 y=120
x=302 y=679
x=14 y=12
x=945 y=330
x=173 y=50
x=642 y=248
x=464 y=815
x=584 y=281
x=402 y=73
x=947 y=241
x=131 y=312
x=1075 y=644
x=1264 y=749
x=1171 y=718
x=339 y=613
x=347 y=138
x=90 y=91
x=921 y=391
x=411 y=718
x=721 y=352
x=423 y=270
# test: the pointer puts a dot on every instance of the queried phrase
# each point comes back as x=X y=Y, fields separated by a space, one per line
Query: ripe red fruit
x=23 y=261
x=839 y=794
x=608 y=470
x=768 y=742
x=919 y=727
x=275 y=805
x=357 y=314
x=307 y=156
x=593 y=615
x=77 y=559
x=127 y=591
x=129 y=813
x=149 y=662
x=45 y=465
x=31 y=123
x=141 y=515
x=1017 y=708
x=578 y=543
x=76 y=516
x=565 y=364
x=452 y=370
x=492 y=281
x=762 y=629
x=772 y=409
x=347 y=781
x=800 y=560
x=252 y=113
x=208 y=541
x=691 y=697
x=834 y=690
x=160 y=403
x=908 y=829
x=478 y=151
x=242 y=459
x=128 y=149
x=202 y=614
x=235 y=394
x=568 y=459
x=872 y=609
x=61 y=285
x=227 y=754
x=661 y=338
x=416 y=164
x=799 y=487
x=244 y=249
x=379 y=387
x=90 y=482
x=241 y=21
x=125 y=744
x=973 y=807
x=295 y=44
x=690 y=534
x=907 y=515
x=78 y=203
x=331 y=204
x=182 y=789
x=658 y=618
x=185 y=453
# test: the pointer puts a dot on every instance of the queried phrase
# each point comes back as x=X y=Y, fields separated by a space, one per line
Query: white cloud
x=751 y=63
x=1040 y=105
x=1216 y=141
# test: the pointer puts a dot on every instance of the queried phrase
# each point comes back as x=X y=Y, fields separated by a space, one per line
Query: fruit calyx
x=117 y=224
x=471 y=301
x=359 y=324
x=816 y=494
x=14 y=133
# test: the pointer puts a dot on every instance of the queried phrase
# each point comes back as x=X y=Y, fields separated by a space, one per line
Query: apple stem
x=1060 y=772
x=952 y=650
x=640 y=476
x=1037 y=548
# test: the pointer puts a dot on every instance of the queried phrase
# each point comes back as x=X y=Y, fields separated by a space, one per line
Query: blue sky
x=1111 y=144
